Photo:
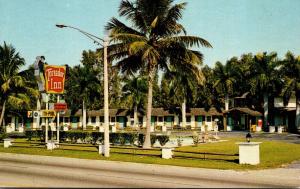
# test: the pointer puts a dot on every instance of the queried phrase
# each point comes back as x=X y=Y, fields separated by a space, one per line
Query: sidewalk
x=281 y=177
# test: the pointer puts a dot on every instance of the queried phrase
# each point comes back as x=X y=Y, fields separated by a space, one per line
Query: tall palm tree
x=183 y=86
x=264 y=78
x=135 y=90
x=154 y=41
x=291 y=75
x=83 y=87
x=226 y=77
x=15 y=90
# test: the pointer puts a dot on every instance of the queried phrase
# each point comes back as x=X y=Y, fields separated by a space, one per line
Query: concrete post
x=249 y=153
x=166 y=152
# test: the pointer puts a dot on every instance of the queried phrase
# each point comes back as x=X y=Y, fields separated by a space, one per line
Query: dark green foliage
x=29 y=134
x=97 y=136
x=16 y=135
x=153 y=139
x=141 y=139
x=3 y=135
x=163 y=139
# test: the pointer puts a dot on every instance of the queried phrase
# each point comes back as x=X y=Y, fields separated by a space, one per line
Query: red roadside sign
x=60 y=106
x=55 y=79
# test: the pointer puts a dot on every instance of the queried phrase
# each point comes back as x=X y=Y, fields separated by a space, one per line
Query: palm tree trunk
x=2 y=113
x=147 y=142
x=183 y=111
x=83 y=116
x=226 y=102
x=266 y=109
x=135 y=116
x=297 y=120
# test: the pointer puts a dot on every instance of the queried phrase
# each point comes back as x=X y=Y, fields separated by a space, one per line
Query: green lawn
x=273 y=154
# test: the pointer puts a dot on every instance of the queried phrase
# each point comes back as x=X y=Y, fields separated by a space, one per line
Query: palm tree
x=154 y=42
x=226 y=77
x=15 y=90
x=183 y=86
x=135 y=90
x=264 y=78
x=291 y=75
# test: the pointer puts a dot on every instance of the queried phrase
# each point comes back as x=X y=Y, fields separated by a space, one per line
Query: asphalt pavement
x=18 y=170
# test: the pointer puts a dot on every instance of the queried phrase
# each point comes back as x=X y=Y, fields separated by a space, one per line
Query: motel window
x=101 y=119
x=140 y=119
x=112 y=119
x=67 y=119
x=160 y=119
x=93 y=119
x=208 y=118
x=188 y=118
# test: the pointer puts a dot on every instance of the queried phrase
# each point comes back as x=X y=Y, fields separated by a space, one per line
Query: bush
x=3 y=135
x=141 y=139
x=97 y=136
x=196 y=138
x=29 y=134
x=163 y=139
x=114 y=138
x=89 y=127
x=153 y=139
x=16 y=135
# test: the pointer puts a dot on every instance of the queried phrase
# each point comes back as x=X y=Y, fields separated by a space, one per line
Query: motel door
x=74 y=122
x=121 y=121
x=199 y=121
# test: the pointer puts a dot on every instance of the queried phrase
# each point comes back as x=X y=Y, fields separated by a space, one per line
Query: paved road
x=42 y=171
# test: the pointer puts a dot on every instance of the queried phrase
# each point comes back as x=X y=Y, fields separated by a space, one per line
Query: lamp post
x=104 y=43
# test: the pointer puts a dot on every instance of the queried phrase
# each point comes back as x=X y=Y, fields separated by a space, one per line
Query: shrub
x=89 y=127
x=196 y=138
x=163 y=139
x=179 y=141
x=153 y=139
x=114 y=138
x=3 y=135
x=97 y=136
x=132 y=138
x=29 y=134
x=123 y=138
x=141 y=139
x=16 y=135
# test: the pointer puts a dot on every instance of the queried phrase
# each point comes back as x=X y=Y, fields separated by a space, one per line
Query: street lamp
x=104 y=43
x=248 y=137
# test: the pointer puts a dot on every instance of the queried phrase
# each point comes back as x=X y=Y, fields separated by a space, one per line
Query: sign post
x=55 y=83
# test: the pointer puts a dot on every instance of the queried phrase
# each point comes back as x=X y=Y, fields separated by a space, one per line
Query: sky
x=233 y=27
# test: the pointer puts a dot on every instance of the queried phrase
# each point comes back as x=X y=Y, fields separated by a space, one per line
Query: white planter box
x=279 y=129
x=21 y=129
x=166 y=152
x=7 y=142
x=258 y=128
x=271 y=129
x=8 y=129
x=50 y=145
x=249 y=153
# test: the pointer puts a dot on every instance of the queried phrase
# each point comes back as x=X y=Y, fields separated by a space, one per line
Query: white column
x=176 y=120
x=13 y=123
x=193 y=123
x=98 y=121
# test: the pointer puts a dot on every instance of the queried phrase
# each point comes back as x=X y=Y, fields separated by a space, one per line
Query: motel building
x=120 y=119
